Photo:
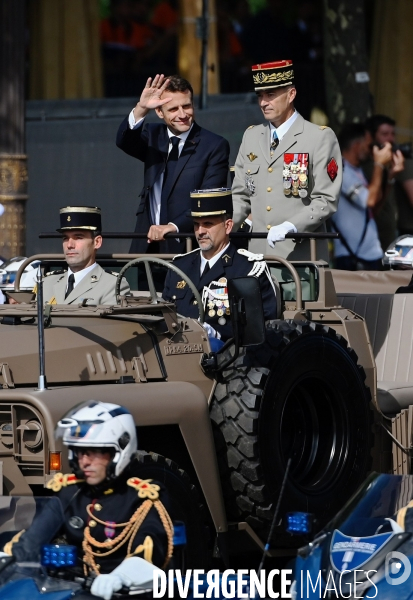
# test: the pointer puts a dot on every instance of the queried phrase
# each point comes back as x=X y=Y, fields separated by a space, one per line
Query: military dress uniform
x=97 y=286
x=212 y=285
x=298 y=180
x=107 y=523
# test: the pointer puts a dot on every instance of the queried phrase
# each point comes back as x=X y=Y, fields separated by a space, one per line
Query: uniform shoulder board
x=145 y=488
x=110 y=273
x=322 y=127
x=60 y=481
x=57 y=272
x=250 y=255
x=186 y=254
x=251 y=126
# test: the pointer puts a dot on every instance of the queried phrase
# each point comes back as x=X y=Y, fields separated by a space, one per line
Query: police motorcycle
x=46 y=568
x=366 y=551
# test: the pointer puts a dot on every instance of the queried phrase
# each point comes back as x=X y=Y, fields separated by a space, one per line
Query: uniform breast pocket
x=251 y=175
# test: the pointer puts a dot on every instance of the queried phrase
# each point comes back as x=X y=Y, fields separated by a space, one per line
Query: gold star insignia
x=252 y=156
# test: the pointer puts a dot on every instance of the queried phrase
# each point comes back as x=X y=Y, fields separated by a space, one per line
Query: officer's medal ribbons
x=215 y=300
x=295 y=174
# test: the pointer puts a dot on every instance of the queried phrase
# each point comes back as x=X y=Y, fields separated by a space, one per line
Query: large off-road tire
x=184 y=505
x=300 y=395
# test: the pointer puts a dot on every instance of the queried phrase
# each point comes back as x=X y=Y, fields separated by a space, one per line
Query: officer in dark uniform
x=117 y=521
x=214 y=263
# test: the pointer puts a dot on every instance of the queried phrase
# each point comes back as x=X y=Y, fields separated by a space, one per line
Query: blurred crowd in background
x=140 y=37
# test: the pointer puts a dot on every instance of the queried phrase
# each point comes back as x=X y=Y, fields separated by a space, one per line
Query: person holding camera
x=359 y=247
x=395 y=212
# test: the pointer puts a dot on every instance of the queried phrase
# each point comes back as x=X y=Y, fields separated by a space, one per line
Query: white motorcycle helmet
x=399 y=255
x=8 y=272
x=100 y=425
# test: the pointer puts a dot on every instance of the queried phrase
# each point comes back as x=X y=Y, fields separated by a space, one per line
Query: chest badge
x=252 y=156
x=181 y=284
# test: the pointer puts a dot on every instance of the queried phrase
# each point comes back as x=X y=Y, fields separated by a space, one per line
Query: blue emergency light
x=58 y=556
x=299 y=523
x=179 y=533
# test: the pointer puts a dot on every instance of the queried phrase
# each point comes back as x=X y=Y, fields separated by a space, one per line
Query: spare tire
x=300 y=395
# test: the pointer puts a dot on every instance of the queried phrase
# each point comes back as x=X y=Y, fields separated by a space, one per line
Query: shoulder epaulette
x=251 y=126
x=60 y=481
x=250 y=255
x=58 y=272
x=322 y=127
x=186 y=253
x=145 y=488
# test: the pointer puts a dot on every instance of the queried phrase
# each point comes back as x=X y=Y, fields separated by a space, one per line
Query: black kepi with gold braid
x=213 y=202
x=80 y=217
x=273 y=74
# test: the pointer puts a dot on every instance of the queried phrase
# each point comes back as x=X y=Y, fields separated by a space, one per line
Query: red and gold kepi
x=273 y=74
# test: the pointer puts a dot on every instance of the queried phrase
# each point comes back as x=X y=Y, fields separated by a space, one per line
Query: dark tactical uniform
x=85 y=506
x=230 y=264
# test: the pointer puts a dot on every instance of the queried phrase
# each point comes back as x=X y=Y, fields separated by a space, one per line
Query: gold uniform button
x=195 y=302
x=92 y=523
x=269 y=189
x=249 y=171
x=269 y=227
x=268 y=208
x=98 y=507
x=269 y=169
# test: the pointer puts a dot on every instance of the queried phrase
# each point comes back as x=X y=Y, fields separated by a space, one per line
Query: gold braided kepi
x=213 y=202
x=273 y=74
x=80 y=217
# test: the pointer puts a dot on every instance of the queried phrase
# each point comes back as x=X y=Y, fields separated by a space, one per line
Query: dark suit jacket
x=203 y=163
x=231 y=264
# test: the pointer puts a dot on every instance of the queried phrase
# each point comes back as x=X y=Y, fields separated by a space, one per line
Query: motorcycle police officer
x=117 y=520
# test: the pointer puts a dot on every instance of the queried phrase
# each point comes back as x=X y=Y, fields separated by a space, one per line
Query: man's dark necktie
x=275 y=140
x=172 y=160
x=206 y=269
x=70 y=285
x=168 y=175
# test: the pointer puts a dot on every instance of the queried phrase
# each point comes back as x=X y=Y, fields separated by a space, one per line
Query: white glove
x=278 y=233
x=211 y=331
x=132 y=571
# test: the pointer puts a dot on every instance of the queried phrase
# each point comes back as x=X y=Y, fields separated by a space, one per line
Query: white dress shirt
x=284 y=127
x=156 y=191
x=212 y=260
x=79 y=275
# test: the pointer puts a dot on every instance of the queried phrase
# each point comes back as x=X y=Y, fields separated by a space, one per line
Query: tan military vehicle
x=320 y=386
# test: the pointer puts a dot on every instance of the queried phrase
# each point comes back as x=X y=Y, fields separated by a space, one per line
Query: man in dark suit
x=179 y=156
x=214 y=263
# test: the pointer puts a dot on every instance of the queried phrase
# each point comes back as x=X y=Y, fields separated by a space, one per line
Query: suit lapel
x=290 y=138
x=188 y=150
x=85 y=285
x=163 y=145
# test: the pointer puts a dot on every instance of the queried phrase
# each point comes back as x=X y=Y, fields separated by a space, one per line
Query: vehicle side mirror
x=247 y=314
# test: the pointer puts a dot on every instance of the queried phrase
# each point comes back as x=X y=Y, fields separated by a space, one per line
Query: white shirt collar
x=80 y=274
x=181 y=136
x=284 y=127
x=212 y=260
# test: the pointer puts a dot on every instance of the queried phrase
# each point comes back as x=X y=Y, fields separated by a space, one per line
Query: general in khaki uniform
x=291 y=181
x=92 y=282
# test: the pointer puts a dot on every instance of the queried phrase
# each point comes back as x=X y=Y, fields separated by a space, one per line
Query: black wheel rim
x=313 y=432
